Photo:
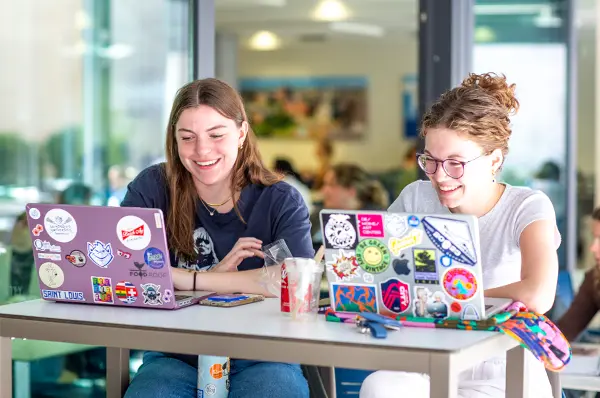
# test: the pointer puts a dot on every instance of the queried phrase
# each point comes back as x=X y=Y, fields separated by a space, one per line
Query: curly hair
x=480 y=108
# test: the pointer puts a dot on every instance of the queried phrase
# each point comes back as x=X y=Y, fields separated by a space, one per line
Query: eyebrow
x=216 y=127
x=453 y=156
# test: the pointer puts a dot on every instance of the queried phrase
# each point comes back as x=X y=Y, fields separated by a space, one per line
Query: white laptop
x=422 y=265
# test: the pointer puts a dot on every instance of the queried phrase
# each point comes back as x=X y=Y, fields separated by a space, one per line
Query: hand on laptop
x=243 y=248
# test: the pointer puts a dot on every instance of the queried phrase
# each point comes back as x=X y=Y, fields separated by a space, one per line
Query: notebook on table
x=421 y=265
x=114 y=256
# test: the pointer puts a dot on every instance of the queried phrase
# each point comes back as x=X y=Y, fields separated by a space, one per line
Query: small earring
x=493 y=178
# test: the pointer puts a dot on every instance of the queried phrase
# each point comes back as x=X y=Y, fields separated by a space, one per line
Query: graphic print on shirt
x=205 y=250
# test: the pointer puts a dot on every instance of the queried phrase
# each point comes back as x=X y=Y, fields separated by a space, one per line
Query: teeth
x=448 y=188
x=209 y=163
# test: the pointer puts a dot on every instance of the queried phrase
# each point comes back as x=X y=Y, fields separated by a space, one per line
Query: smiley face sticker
x=373 y=256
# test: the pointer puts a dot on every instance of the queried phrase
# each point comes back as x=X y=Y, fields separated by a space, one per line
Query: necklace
x=214 y=205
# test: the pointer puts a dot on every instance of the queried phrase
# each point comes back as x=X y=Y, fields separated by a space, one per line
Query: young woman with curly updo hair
x=466 y=136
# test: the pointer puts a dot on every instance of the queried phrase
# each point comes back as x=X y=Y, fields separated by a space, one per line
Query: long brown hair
x=480 y=108
x=248 y=168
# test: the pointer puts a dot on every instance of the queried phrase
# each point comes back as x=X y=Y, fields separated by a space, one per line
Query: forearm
x=225 y=282
x=536 y=295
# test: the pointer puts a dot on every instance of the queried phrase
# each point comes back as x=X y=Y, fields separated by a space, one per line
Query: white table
x=256 y=331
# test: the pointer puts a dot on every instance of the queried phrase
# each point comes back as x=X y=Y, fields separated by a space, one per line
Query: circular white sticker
x=34 y=213
x=60 y=225
x=133 y=232
x=51 y=275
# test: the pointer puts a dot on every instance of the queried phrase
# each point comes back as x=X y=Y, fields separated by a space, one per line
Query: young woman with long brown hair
x=221 y=206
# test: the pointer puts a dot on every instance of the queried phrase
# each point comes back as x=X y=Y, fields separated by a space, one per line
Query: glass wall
x=529 y=44
x=86 y=87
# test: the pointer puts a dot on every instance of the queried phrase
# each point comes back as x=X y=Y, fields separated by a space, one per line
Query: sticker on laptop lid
x=460 y=283
x=44 y=245
x=413 y=221
x=396 y=245
x=470 y=313
x=100 y=253
x=354 y=297
x=429 y=305
x=37 y=230
x=154 y=258
x=344 y=266
x=34 y=213
x=451 y=237
x=50 y=256
x=124 y=254
x=77 y=258
x=126 y=292
x=167 y=295
x=62 y=295
x=370 y=225
x=152 y=294
x=158 y=220
x=395 y=295
x=133 y=232
x=60 y=225
x=102 y=290
x=339 y=231
x=373 y=256
x=400 y=265
x=368 y=278
x=396 y=224
x=425 y=268
x=51 y=275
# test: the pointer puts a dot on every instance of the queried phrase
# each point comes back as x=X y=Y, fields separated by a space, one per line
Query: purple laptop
x=103 y=255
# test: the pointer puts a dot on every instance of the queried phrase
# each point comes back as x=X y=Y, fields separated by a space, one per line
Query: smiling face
x=475 y=183
x=372 y=256
x=208 y=144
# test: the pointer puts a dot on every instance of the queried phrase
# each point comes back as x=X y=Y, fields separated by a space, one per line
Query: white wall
x=383 y=63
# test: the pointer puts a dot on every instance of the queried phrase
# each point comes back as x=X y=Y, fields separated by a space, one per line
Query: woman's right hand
x=243 y=248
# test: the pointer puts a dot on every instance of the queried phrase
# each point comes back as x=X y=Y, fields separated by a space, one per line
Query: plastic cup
x=300 y=288
x=275 y=254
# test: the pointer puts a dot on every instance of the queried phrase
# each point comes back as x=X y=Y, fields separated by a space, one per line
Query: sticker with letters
x=373 y=256
x=103 y=290
x=133 y=232
x=154 y=258
x=413 y=221
x=460 y=283
x=62 y=295
x=339 y=231
x=451 y=237
x=370 y=225
x=344 y=266
x=395 y=295
x=44 y=245
x=51 y=275
x=49 y=256
x=60 y=225
x=425 y=269
x=415 y=237
x=100 y=253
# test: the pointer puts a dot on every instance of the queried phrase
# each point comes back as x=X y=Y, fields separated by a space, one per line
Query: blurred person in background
x=348 y=187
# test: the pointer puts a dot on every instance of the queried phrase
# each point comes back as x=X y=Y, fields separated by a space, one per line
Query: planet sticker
x=460 y=283
x=373 y=256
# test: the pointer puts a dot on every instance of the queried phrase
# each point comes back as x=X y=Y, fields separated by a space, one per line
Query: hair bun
x=496 y=86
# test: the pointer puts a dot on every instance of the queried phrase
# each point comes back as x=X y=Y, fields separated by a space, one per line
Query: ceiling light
x=357 y=28
x=331 y=10
x=264 y=41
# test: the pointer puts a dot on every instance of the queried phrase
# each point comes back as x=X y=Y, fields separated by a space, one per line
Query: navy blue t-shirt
x=271 y=213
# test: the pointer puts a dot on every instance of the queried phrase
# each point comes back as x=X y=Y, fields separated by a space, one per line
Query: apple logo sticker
x=401 y=266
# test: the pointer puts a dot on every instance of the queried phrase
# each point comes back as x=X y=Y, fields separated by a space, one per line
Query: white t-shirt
x=499 y=229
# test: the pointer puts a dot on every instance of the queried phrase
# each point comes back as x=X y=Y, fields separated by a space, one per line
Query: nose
x=203 y=147
x=595 y=247
x=440 y=174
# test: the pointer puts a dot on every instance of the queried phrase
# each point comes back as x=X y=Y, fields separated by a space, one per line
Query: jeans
x=162 y=376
